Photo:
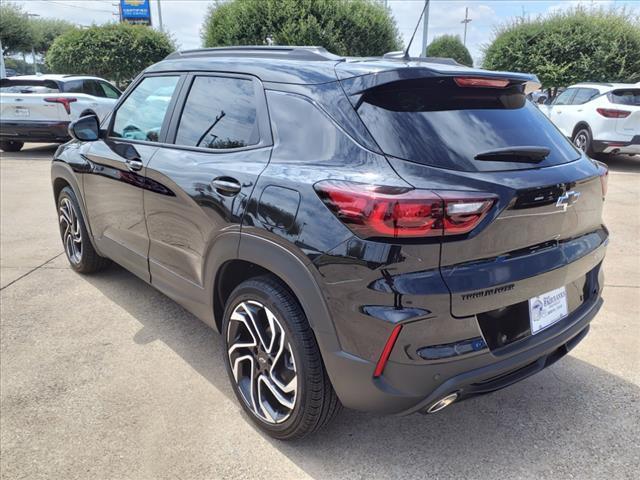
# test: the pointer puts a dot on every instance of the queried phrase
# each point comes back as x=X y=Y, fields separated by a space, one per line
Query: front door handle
x=226 y=186
x=134 y=165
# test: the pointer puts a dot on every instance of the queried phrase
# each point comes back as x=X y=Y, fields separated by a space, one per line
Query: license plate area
x=504 y=326
x=547 y=309
x=21 y=112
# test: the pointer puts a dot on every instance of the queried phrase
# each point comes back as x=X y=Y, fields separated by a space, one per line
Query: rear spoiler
x=12 y=81
x=356 y=85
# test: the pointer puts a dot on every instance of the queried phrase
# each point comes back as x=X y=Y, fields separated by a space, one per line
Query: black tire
x=583 y=141
x=11 y=146
x=83 y=259
x=315 y=401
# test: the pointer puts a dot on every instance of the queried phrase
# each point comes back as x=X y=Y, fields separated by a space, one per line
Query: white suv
x=38 y=108
x=599 y=117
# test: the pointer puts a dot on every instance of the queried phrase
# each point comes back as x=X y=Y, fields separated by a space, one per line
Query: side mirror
x=85 y=129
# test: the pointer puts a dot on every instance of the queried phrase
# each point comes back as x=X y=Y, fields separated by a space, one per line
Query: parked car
x=385 y=235
x=599 y=117
x=38 y=108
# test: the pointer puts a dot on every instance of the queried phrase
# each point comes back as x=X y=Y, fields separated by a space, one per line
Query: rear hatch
x=544 y=229
x=26 y=100
x=627 y=100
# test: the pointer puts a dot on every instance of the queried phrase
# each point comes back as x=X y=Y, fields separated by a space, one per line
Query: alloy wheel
x=262 y=362
x=581 y=141
x=71 y=231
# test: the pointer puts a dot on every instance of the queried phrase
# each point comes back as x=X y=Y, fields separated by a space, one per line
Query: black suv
x=391 y=235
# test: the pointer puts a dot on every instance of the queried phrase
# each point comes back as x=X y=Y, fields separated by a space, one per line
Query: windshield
x=435 y=122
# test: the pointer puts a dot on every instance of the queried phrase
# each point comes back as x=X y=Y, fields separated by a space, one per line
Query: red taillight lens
x=65 y=101
x=397 y=212
x=481 y=82
x=613 y=113
x=386 y=351
x=604 y=181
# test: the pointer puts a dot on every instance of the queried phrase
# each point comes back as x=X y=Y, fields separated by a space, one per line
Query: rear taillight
x=604 y=180
x=481 y=82
x=613 y=113
x=65 y=101
x=398 y=212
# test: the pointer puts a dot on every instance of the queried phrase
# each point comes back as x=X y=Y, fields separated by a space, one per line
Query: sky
x=183 y=18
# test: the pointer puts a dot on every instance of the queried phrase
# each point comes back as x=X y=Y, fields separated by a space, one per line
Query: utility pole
x=159 y=16
x=466 y=22
x=425 y=29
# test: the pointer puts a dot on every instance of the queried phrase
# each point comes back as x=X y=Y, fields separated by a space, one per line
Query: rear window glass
x=28 y=86
x=625 y=97
x=435 y=122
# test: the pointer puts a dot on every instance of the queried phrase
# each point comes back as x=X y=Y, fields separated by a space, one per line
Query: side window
x=565 y=97
x=73 y=86
x=141 y=115
x=220 y=112
x=584 y=95
x=90 y=87
x=108 y=91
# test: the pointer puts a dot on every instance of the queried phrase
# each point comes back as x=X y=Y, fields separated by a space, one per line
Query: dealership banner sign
x=135 y=11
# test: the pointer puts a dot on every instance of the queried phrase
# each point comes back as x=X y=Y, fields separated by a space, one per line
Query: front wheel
x=273 y=360
x=75 y=237
x=11 y=146
x=582 y=140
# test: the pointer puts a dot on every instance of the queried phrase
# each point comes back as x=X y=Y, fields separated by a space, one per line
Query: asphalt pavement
x=102 y=377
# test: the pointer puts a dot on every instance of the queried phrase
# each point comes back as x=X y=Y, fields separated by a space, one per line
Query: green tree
x=355 y=27
x=117 y=51
x=569 y=47
x=450 y=46
x=45 y=30
x=14 y=29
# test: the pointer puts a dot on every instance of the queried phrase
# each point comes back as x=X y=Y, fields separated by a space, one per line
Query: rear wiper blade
x=515 y=154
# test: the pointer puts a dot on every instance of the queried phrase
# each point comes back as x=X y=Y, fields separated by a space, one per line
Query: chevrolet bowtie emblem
x=567 y=199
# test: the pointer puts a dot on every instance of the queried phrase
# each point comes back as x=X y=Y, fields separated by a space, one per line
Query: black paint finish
x=178 y=215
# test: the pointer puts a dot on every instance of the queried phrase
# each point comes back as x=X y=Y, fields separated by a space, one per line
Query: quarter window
x=584 y=95
x=141 y=115
x=219 y=113
x=565 y=97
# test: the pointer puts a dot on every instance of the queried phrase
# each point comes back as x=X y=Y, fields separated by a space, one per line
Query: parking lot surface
x=103 y=377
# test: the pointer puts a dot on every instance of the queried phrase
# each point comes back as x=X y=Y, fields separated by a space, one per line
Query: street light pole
x=3 y=72
x=159 y=16
x=33 y=50
x=466 y=22
x=425 y=29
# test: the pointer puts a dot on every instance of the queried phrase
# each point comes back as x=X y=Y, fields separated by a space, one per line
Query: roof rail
x=605 y=84
x=261 y=51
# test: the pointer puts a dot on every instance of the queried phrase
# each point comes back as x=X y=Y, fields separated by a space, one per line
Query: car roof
x=605 y=87
x=309 y=64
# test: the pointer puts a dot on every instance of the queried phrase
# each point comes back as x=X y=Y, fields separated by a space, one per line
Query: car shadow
x=32 y=151
x=571 y=419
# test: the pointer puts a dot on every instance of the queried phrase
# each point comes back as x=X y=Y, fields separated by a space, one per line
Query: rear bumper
x=35 y=131
x=405 y=389
x=631 y=147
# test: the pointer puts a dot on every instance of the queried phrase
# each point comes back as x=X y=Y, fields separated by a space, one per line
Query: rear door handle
x=226 y=186
x=134 y=165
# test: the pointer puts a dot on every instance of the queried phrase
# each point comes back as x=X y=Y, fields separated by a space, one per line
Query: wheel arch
x=63 y=176
x=258 y=256
x=579 y=126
